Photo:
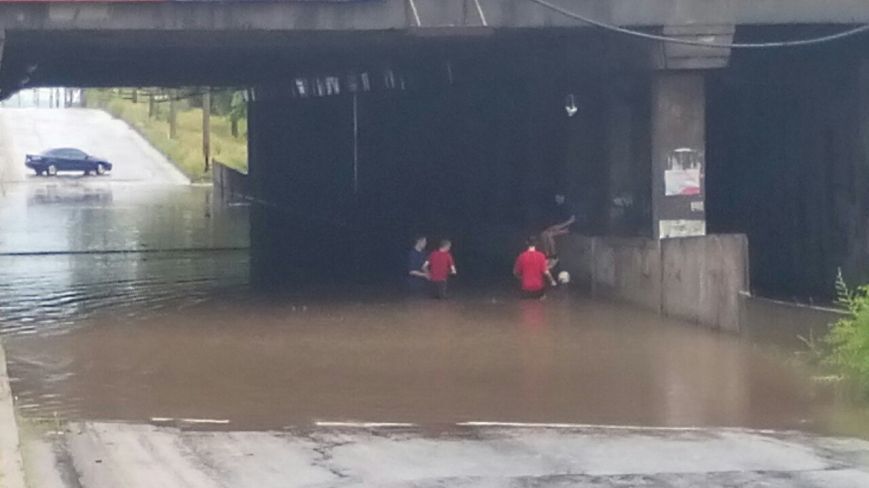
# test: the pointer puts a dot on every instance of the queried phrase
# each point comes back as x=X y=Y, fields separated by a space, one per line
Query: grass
x=185 y=150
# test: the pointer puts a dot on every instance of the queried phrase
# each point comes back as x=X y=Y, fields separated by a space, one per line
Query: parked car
x=66 y=159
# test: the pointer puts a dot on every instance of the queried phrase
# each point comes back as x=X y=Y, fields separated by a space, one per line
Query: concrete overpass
x=375 y=118
x=120 y=43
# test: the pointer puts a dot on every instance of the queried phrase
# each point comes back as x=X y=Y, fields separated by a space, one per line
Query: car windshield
x=65 y=153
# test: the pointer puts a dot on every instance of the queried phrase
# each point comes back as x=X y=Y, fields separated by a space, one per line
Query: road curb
x=11 y=464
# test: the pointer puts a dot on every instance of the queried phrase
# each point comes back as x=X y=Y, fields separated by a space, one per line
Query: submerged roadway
x=139 y=356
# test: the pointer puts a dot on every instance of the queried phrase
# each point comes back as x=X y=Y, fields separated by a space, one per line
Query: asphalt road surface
x=33 y=130
x=104 y=455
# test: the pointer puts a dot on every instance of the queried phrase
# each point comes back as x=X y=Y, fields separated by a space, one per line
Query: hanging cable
x=722 y=45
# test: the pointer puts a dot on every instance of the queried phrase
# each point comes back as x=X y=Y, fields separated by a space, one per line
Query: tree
x=206 y=128
x=173 y=116
x=237 y=111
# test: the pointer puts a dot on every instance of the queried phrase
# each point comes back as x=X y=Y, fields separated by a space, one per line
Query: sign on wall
x=683 y=173
x=683 y=179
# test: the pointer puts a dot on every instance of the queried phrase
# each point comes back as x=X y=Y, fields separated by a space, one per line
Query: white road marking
x=366 y=425
x=164 y=420
x=206 y=421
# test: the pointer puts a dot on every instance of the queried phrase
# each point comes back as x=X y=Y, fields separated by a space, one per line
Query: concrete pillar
x=678 y=154
x=257 y=160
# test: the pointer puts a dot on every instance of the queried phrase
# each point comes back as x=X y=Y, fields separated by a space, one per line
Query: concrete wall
x=229 y=181
x=701 y=279
x=787 y=166
x=697 y=279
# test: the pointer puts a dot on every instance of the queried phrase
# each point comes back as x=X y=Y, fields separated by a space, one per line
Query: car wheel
x=101 y=170
x=39 y=172
x=52 y=170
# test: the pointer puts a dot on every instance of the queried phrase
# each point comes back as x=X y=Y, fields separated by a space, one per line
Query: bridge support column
x=678 y=133
x=655 y=120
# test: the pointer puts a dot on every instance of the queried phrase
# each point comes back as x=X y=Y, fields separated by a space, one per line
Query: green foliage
x=849 y=337
x=185 y=150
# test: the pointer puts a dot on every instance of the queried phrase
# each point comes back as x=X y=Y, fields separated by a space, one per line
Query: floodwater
x=130 y=302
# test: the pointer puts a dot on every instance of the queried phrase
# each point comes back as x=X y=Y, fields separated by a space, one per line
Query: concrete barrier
x=697 y=279
x=11 y=465
x=229 y=181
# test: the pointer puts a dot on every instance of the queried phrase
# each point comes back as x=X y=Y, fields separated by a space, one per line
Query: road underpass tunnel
x=787 y=151
x=471 y=139
x=469 y=142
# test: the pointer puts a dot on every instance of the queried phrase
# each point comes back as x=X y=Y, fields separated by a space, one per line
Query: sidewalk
x=11 y=466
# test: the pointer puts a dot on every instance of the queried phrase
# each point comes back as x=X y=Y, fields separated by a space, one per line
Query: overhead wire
x=723 y=45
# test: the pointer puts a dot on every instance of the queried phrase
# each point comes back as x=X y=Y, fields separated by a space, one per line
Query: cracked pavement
x=114 y=454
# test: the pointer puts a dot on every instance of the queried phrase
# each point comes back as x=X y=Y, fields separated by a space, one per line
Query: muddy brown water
x=177 y=332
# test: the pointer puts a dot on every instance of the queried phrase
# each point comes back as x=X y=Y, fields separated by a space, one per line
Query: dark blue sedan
x=66 y=159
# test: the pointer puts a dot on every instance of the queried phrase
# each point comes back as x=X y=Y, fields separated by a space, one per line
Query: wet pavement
x=112 y=455
x=33 y=130
x=131 y=300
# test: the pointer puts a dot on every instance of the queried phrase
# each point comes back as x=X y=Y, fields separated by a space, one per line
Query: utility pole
x=173 y=115
x=151 y=105
x=206 y=128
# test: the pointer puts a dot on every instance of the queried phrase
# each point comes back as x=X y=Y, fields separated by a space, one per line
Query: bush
x=849 y=337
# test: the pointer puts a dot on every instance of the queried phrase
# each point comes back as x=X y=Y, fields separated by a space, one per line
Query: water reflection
x=86 y=215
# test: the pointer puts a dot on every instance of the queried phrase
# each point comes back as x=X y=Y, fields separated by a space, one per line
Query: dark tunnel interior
x=469 y=139
x=784 y=140
x=468 y=149
x=473 y=146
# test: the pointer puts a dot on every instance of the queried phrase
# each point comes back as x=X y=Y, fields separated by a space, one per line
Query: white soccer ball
x=564 y=277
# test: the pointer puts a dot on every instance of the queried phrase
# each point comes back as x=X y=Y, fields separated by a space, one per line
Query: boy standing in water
x=531 y=268
x=440 y=266
x=417 y=278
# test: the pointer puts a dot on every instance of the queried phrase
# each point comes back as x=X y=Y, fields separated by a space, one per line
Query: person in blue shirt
x=417 y=277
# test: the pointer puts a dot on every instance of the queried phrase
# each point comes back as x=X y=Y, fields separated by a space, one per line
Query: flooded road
x=292 y=361
x=131 y=300
x=138 y=305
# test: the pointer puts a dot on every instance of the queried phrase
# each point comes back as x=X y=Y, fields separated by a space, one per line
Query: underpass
x=140 y=349
x=369 y=123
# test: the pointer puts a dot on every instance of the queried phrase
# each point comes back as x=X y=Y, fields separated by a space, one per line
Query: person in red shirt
x=440 y=266
x=531 y=268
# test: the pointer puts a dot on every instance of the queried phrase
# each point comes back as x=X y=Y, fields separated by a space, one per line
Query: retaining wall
x=11 y=465
x=697 y=279
x=229 y=181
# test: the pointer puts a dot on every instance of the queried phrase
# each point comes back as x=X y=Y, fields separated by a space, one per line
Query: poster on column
x=684 y=173
x=672 y=229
